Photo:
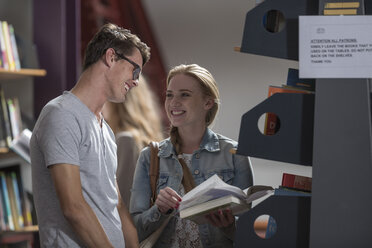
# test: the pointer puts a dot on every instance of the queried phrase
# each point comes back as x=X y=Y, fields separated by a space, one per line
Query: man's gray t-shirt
x=68 y=132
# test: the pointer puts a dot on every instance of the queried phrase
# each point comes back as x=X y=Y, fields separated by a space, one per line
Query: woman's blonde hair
x=139 y=114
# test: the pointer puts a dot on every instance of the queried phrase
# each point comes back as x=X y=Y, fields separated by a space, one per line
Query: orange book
x=272 y=122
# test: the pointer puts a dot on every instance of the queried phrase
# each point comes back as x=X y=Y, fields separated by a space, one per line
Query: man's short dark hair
x=113 y=36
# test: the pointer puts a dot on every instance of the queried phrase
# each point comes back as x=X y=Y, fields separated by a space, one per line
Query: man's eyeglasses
x=137 y=68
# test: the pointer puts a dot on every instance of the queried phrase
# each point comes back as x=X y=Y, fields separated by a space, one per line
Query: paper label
x=335 y=46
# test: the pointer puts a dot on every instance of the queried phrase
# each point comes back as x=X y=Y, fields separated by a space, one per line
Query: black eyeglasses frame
x=137 y=68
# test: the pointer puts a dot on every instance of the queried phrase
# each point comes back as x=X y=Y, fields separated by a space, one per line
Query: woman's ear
x=209 y=104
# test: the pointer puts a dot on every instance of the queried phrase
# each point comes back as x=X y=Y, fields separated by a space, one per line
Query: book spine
x=12 y=201
x=17 y=193
x=2 y=212
x=7 y=200
x=296 y=182
x=6 y=123
x=13 y=42
x=3 y=48
x=8 y=45
x=13 y=118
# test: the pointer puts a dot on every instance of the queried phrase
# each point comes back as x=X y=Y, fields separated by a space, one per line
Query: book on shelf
x=2 y=210
x=298 y=182
x=8 y=215
x=8 y=45
x=214 y=194
x=14 y=114
x=14 y=46
x=4 y=57
x=21 y=145
x=5 y=119
x=12 y=201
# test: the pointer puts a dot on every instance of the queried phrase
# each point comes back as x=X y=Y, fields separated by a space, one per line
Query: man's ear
x=109 y=57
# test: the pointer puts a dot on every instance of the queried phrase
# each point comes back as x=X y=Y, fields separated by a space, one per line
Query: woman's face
x=185 y=103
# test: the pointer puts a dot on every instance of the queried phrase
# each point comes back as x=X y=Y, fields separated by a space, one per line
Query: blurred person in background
x=135 y=123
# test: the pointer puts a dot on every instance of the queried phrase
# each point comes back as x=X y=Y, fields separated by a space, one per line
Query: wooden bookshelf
x=16 y=74
x=25 y=235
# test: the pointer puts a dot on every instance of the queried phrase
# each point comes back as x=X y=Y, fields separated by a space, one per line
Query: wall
x=205 y=32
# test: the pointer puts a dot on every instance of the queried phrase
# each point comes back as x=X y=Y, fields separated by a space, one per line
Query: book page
x=214 y=187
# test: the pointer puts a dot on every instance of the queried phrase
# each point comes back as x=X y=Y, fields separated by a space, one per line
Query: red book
x=296 y=182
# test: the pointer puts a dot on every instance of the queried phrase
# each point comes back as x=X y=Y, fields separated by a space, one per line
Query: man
x=73 y=150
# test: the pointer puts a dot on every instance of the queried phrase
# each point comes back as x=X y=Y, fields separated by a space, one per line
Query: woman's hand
x=221 y=218
x=167 y=199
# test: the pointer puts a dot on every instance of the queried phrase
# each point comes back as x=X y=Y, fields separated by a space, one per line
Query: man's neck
x=90 y=92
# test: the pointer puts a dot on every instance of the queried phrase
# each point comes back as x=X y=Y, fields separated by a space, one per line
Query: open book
x=214 y=194
x=21 y=145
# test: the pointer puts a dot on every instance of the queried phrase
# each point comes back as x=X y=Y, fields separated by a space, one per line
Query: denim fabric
x=212 y=157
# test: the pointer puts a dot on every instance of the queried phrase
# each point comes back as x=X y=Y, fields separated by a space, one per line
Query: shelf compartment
x=293 y=143
x=292 y=217
x=283 y=44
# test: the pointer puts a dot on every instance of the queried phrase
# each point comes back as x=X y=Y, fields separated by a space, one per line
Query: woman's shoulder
x=226 y=141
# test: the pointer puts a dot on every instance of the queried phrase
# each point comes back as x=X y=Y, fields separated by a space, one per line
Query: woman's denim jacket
x=212 y=157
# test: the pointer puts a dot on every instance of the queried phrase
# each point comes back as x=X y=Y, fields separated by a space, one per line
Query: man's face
x=124 y=75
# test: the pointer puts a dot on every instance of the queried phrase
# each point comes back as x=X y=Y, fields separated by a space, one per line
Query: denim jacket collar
x=209 y=142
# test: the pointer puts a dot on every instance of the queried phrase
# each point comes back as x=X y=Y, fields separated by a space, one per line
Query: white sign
x=335 y=46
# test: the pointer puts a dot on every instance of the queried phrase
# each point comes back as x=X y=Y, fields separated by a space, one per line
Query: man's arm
x=129 y=229
x=66 y=179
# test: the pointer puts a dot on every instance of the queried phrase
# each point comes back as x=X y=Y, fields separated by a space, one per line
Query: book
x=272 y=121
x=2 y=212
x=13 y=43
x=9 y=218
x=18 y=199
x=14 y=116
x=214 y=194
x=8 y=45
x=21 y=145
x=3 y=202
x=298 y=182
x=12 y=201
x=5 y=118
x=4 y=57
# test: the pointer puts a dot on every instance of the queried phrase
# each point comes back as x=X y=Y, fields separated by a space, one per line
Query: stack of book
x=15 y=207
x=9 y=57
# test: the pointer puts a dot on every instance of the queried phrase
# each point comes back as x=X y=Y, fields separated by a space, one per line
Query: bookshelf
x=339 y=213
x=20 y=83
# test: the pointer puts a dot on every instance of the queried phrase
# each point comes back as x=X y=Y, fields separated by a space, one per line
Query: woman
x=192 y=154
x=135 y=123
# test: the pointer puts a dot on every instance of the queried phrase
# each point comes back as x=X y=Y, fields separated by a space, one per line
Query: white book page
x=214 y=187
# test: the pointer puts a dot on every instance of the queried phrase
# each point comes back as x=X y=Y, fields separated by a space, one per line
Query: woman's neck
x=191 y=139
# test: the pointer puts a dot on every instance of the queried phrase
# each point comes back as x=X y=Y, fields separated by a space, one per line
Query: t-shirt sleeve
x=58 y=137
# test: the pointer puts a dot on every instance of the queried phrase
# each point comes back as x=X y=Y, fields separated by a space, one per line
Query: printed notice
x=335 y=46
